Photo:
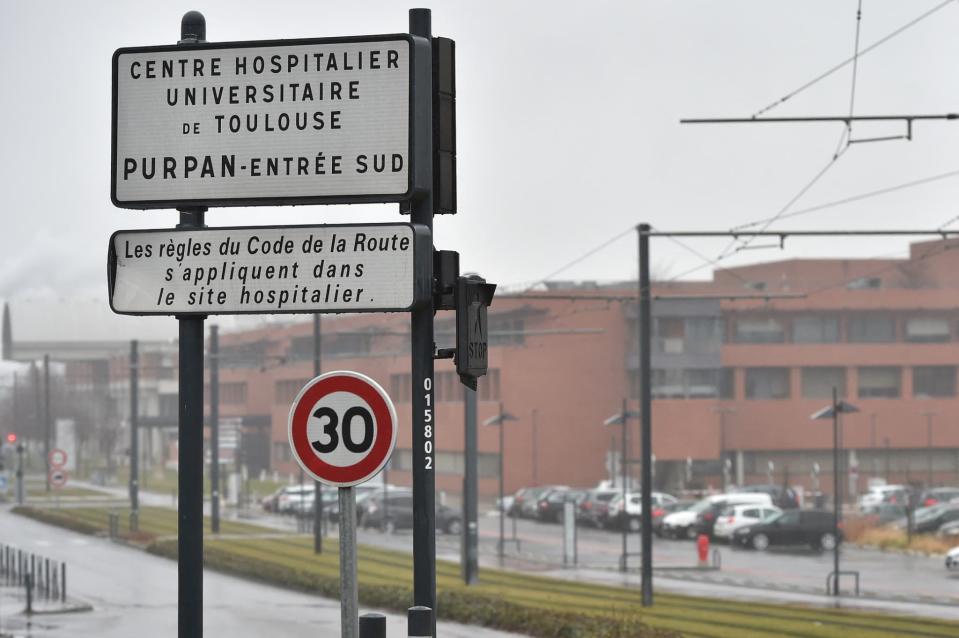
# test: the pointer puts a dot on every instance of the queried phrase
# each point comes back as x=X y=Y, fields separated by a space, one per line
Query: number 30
x=329 y=429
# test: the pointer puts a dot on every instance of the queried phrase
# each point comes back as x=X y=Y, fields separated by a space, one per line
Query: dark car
x=815 y=528
x=551 y=506
x=938 y=495
x=783 y=497
x=927 y=520
x=397 y=513
x=594 y=508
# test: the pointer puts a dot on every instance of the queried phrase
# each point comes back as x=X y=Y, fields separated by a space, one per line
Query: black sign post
x=134 y=429
x=421 y=329
x=190 y=455
x=215 y=429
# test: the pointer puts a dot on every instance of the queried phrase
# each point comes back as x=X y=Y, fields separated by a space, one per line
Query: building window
x=692 y=383
x=879 y=382
x=872 y=329
x=759 y=330
x=817 y=383
x=927 y=330
x=400 y=387
x=813 y=329
x=934 y=381
x=487 y=388
x=233 y=393
x=286 y=390
x=169 y=405
x=506 y=332
x=767 y=383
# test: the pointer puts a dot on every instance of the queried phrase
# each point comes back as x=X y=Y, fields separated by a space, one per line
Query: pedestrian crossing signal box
x=473 y=297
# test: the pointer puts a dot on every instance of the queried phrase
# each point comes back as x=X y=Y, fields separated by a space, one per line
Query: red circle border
x=375 y=397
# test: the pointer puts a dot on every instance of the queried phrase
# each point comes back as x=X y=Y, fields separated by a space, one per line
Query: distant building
x=734 y=380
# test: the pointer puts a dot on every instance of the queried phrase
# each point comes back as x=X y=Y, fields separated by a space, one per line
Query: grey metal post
x=470 y=540
x=373 y=625
x=46 y=577
x=20 y=487
x=63 y=581
x=47 y=423
x=837 y=493
x=134 y=427
x=646 y=404
x=624 y=459
x=502 y=472
x=419 y=622
x=190 y=457
x=421 y=330
x=348 y=588
x=215 y=429
x=318 y=492
x=29 y=586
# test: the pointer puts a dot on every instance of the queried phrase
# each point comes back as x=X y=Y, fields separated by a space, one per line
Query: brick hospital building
x=734 y=379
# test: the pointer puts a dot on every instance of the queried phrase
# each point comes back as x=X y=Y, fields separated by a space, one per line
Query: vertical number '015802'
x=428 y=422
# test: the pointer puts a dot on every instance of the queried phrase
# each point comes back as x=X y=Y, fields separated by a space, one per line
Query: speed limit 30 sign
x=342 y=428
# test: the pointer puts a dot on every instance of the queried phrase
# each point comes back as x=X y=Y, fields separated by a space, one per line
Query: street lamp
x=621 y=418
x=499 y=419
x=832 y=412
x=929 y=416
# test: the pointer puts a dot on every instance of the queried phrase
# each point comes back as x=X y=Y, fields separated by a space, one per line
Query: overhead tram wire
x=850 y=199
x=587 y=254
x=785 y=209
x=835 y=68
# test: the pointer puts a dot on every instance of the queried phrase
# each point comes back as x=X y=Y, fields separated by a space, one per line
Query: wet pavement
x=134 y=594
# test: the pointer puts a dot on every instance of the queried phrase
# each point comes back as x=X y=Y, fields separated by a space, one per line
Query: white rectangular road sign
x=263 y=122
x=269 y=269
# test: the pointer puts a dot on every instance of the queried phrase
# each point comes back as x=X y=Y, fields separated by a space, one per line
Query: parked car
x=815 y=528
x=938 y=495
x=269 y=503
x=706 y=519
x=949 y=530
x=952 y=558
x=398 y=513
x=660 y=512
x=895 y=494
x=551 y=508
x=529 y=505
x=631 y=514
x=363 y=492
x=929 y=519
x=293 y=498
x=736 y=516
x=514 y=505
x=783 y=497
x=594 y=508
x=683 y=524
x=886 y=513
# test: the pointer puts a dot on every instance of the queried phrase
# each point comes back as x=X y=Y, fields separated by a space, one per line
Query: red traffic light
x=11 y=438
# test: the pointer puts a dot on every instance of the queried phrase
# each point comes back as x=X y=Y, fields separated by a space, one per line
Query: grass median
x=524 y=603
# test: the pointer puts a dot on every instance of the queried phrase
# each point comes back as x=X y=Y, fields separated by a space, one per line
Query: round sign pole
x=342 y=429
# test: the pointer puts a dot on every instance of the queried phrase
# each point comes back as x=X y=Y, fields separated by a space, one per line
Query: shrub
x=59 y=519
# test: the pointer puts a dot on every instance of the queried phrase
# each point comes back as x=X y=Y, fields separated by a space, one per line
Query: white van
x=683 y=524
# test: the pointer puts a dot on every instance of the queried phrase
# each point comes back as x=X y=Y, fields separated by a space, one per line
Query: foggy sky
x=567 y=126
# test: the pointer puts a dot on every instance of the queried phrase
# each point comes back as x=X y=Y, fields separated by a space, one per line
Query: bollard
x=33 y=569
x=46 y=578
x=19 y=567
x=372 y=625
x=29 y=584
x=63 y=582
x=419 y=622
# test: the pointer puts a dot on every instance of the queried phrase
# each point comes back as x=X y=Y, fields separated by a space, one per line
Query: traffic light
x=11 y=438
